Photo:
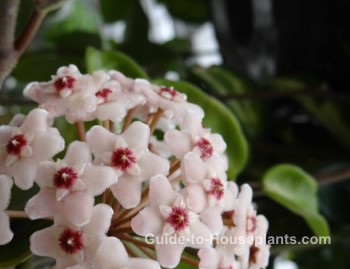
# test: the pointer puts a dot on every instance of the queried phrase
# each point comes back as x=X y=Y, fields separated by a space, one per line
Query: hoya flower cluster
x=150 y=170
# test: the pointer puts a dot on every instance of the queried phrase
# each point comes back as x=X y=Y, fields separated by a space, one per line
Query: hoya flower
x=113 y=101
x=71 y=245
x=259 y=252
x=111 y=254
x=25 y=146
x=5 y=193
x=193 y=137
x=128 y=154
x=69 y=93
x=215 y=258
x=69 y=185
x=172 y=102
x=244 y=219
x=171 y=222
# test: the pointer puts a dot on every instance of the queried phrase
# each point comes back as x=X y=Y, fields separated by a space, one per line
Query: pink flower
x=207 y=190
x=69 y=93
x=70 y=245
x=113 y=101
x=172 y=102
x=24 y=147
x=128 y=154
x=69 y=185
x=215 y=258
x=193 y=137
x=5 y=194
x=111 y=254
x=168 y=218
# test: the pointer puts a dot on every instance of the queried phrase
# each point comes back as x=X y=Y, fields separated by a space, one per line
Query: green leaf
x=114 y=10
x=327 y=112
x=96 y=59
x=220 y=120
x=222 y=81
x=17 y=251
x=40 y=65
x=76 y=16
x=196 y=11
x=295 y=189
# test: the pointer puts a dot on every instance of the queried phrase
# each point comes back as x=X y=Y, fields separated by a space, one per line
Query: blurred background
x=280 y=67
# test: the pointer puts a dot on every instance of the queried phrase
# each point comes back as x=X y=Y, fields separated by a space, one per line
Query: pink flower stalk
x=25 y=146
x=5 y=195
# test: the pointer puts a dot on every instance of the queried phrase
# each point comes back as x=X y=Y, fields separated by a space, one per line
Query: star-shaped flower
x=128 y=154
x=24 y=147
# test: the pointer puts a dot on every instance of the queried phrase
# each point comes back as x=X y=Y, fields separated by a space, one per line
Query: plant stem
x=128 y=119
x=155 y=120
x=81 y=130
x=16 y=214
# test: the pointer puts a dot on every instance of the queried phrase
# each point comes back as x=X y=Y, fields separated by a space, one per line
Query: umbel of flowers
x=138 y=191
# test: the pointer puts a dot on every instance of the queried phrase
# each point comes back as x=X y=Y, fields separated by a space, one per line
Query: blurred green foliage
x=289 y=118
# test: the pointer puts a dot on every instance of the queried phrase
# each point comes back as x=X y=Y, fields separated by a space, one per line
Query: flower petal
x=152 y=164
x=137 y=135
x=160 y=191
x=78 y=153
x=43 y=204
x=5 y=191
x=137 y=263
x=6 y=234
x=99 y=178
x=179 y=142
x=147 y=222
x=100 y=140
x=169 y=255
x=127 y=190
x=77 y=208
x=100 y=220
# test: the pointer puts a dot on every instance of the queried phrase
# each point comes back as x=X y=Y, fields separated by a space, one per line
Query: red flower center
x=123 y=158
x=65 y=178
x=169 y=93
x=103 y=94
x=71 y=241
x=64 y=83
x=16 y=144
x=216 y=188
x=251 y=224
x=178 y=218
x=253 y=253
x=205 y=147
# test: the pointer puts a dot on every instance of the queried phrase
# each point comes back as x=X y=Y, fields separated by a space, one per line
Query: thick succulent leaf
x=96 y=59
x=222 y=81
x=220 y=120
x=17 y=251
x=296 y=190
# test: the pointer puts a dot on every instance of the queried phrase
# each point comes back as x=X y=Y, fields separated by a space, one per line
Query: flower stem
x=128 y=119
x=190 y=261
x=155 y=119
x=81 y=130
x=16 y=214
x=175 y=164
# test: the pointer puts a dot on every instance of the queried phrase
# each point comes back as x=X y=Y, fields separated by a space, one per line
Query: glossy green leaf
x=40 y=65
x=220 y=120
x=222 y=81
x=295 y=189
x=116 y=60
x=188 y=10
x=17 y=251
x=114 y=10
x=327 y=112
x=78 y=16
